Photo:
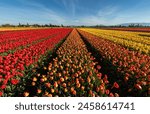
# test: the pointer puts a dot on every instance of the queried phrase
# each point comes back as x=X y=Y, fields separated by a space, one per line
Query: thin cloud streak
x=101 y=17
x=38 y=13
x=70 y=6
x=74 y=12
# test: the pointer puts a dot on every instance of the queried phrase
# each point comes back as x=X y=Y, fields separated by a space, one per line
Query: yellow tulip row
x=133 y=40
x=134 y=36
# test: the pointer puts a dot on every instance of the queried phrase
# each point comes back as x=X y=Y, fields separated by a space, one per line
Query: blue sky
x=74 y=12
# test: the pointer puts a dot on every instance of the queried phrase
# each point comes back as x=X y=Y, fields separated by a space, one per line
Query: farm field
x=133 y=40
x=16 y=28
x=73 y=62
x=131 y=29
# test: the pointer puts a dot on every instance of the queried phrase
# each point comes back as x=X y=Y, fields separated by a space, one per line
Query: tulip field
x=138 y=29
x=70 y=62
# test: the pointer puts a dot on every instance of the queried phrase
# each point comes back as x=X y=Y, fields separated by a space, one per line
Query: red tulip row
x=134 y=67
x=12 y=40
x=73 y=72
x=13 y=65
x=9 y=36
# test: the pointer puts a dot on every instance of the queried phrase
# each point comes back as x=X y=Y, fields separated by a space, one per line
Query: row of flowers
x=15 y=39
x=73 y=72
x=133 y=36
x=128 y=39
x=132 y=29
x=10 y=29
x=133 y=67
x=12 y=66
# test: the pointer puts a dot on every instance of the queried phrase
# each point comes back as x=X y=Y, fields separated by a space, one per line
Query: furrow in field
x=133 y=68
x=13 y=66
x=73 y=72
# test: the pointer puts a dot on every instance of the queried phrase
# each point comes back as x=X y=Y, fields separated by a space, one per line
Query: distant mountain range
x=141 y=24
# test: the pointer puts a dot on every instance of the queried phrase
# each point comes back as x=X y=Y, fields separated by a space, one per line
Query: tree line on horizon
x=54 y=25
x=31 y=25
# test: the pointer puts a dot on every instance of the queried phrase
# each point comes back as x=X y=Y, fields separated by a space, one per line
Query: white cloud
x=112 y=15
x=70 y=6
x=103 y=16
x=36 y=13
x=107 y=11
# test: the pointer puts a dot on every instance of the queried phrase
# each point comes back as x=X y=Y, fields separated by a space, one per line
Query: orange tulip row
x=73 y=72
x=133 y=68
